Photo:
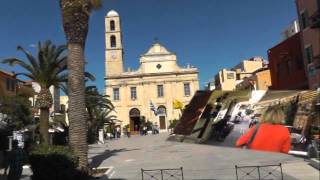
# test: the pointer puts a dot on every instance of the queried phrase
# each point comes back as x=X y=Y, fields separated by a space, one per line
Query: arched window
x=134 y=112
x=112 y=26
x=113 y=41
x=162 y=111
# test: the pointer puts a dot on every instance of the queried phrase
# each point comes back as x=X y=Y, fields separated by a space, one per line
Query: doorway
x=162 y=120
x=162 y=116
x=134 y=115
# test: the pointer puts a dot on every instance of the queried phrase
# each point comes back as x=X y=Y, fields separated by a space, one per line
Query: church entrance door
x=162 y=112
x=134 y=115
x=162 y=120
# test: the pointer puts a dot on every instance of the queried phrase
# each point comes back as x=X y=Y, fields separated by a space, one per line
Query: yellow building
x=64 y=107
x=228 y=80
x=247 y=67
x=225 y=80
x=259 y=80
x=157 y=82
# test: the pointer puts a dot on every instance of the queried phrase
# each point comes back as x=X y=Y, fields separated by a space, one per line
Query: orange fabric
x=269 y=137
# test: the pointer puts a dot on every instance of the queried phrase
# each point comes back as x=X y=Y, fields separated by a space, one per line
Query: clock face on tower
x=113 y=55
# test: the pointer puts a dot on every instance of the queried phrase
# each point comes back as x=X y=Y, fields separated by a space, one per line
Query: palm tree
x=48 y=69
x=104 y=116
x=75 y=19
x=95 y=103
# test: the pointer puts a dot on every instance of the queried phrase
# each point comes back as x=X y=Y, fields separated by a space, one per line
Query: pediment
x=157 y=49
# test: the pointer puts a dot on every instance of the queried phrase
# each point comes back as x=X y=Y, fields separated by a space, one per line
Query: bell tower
x=113 y=51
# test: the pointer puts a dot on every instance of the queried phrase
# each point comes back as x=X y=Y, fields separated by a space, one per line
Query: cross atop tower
x=155 y=39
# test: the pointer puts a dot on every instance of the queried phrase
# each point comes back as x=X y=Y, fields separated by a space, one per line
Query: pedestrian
x=125 y=131
x=269 y=134
x=115 y=132
x=153 y=128
x=118 y=132
x=128 y=132
x=15 y=159
x=141 y=130
x=145 y=130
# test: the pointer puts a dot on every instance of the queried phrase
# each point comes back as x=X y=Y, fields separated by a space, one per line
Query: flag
x=177 y=104
x=153 y=108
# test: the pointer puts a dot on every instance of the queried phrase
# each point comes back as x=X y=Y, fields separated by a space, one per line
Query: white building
x=291 y=30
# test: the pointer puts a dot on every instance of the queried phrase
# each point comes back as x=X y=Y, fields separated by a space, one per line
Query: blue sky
x=209 y=34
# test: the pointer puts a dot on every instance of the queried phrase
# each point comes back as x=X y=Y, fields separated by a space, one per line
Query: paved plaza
x=128 y=155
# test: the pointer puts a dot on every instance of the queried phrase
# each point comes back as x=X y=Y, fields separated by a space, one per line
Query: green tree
x=103 y=117
x=96 y=104
x=15 y=111
x=75 y=20
x=48 y=69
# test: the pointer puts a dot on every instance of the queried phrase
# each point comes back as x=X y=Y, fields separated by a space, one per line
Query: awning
x=273 y=97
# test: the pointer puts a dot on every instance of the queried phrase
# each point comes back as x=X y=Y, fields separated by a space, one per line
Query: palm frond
x=95 y=4
x=47 y=68
x=30 y=57
x=16 y=61
x=24 y=74
x=64 y=88
x=89 y=76
x=60 y=50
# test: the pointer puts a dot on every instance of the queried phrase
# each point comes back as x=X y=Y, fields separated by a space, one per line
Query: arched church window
x=134 y=112
x=162 y=111
x=112 y=26
x=113 y=41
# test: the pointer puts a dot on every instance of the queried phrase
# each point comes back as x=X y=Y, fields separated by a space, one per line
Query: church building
x=145 y=94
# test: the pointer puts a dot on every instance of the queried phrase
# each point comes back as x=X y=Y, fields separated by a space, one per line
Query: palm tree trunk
x=44 y=126
x=77 y=110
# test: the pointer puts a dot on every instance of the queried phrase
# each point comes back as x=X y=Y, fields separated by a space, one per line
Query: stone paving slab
x=129 y=155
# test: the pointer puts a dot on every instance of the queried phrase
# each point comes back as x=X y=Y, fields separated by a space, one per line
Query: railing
x=266 y=172
x=162 y=174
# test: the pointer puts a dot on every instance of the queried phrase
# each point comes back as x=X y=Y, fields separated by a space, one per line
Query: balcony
x=315 y=19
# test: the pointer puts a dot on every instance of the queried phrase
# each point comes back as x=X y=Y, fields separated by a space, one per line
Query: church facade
x=154 y=85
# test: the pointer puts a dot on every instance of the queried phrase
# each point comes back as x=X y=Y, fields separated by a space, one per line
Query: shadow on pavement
x=2 y=177
x=98 y=159
x=23 y=177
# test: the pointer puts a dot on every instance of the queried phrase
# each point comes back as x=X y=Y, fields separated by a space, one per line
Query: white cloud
x=32 y=45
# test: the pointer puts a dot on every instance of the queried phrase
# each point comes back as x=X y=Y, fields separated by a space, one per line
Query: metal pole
x=161 y=174
x=236 y=172
x=142 y=173
x=281 y=171
x=182 y=173
x=259 y=172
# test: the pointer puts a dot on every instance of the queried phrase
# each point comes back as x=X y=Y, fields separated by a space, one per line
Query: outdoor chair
x=162 y=174
x=265 y=172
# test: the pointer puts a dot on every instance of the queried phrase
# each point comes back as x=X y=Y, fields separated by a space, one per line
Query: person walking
x=118 y=132
x=114 y=132
x=15 y=160
x=128 y=132
x=269 y=134
x=145 y=130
